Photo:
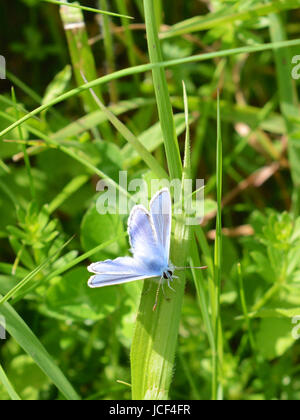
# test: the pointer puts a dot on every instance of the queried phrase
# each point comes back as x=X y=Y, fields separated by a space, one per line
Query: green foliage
x=82 y=303
x=227 y=332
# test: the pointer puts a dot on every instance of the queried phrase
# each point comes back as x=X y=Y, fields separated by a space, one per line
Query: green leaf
x=99 y=228
x=71 y=298
x=58 y=85
x=274 y=337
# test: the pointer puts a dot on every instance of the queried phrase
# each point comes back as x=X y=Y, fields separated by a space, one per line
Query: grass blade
x=87 y=9
x=217 y=262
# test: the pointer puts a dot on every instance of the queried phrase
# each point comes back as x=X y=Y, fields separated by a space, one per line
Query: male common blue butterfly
x=149 y=236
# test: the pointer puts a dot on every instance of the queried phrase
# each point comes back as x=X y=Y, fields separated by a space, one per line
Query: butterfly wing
x=118 y=271
x=142 y=235
x=161 y=214
x=144 y=241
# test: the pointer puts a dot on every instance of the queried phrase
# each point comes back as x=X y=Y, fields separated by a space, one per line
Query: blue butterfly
x=149 y=236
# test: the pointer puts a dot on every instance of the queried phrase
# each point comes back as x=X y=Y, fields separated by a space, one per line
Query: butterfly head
x=167 y=274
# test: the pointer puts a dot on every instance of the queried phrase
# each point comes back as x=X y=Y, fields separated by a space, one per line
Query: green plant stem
x=129 y=41
x=244 y=307
x=218 y=263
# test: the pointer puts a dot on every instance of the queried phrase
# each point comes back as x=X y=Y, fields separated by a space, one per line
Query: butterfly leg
x=157 y=292
x=170 y=287
x=168 y=281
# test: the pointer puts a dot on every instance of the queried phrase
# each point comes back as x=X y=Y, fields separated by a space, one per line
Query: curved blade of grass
x=87 y=9
x=95 y=118
x=23 y=335
x=8 y=386
x=146 y=67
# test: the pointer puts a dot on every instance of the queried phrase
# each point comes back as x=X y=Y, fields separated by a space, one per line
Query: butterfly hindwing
x=120 y=270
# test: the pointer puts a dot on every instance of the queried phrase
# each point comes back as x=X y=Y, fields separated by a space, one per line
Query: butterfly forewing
x=142 y=235
x=161 y=213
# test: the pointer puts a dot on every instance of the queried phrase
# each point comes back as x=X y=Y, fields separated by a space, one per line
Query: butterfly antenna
x=157 y=293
